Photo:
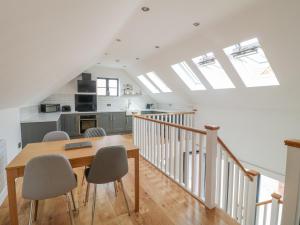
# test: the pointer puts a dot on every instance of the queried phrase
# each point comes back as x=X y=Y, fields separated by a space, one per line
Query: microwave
x=48 y=108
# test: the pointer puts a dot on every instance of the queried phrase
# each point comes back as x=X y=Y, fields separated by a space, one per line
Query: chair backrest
x=48 y=176
x=56 y=136
x=94 y=132
x=110 y=164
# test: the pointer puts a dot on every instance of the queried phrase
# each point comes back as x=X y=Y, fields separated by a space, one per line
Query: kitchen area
x=84 y=112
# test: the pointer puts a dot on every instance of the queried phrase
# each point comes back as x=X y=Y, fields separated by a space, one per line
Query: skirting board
x=3 y=195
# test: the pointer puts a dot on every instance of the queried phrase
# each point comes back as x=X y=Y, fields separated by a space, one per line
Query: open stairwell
x=200 y=162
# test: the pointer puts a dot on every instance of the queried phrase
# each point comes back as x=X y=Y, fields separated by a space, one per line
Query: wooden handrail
x=264 y=203
x=200 y=132
x=172 y=124
x=234 y=158
x=268 y=202
x=170 y=113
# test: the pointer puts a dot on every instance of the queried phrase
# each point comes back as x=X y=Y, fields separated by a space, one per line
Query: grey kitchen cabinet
x=105 y=121
x=35 y=131
x=113 y=122
x=70 y=124
x=128 y=126
x=118 y=122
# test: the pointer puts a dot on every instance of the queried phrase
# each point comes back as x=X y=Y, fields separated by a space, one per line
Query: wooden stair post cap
x=253 y=173
x=292 y=143
x=212 y=127
x=276 y=196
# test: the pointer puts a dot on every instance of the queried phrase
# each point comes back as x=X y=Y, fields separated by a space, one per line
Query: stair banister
x=291 y=206
x=211 y=156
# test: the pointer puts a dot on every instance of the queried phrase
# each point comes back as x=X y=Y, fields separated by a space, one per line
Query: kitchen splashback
x=103 y=103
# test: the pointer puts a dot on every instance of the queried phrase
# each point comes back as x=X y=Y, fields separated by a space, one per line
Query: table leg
x=12 y=197
x=137 y=182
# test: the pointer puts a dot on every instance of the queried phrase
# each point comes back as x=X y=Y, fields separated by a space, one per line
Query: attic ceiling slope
x=167 y=22
x=44 y=44
x=261 y=21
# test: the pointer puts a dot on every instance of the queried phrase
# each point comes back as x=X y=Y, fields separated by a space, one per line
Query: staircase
x=201 y=163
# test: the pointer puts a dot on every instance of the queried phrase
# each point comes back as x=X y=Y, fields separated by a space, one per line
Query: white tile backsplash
x=116 y=103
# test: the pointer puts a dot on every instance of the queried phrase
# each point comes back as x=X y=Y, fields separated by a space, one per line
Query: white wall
x=65 y=95
x=254 y=135
x=10 y=131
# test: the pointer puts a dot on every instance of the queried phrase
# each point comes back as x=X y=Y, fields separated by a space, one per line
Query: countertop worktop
x=54 y=117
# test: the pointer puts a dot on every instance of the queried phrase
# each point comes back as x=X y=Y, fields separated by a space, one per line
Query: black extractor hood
x=86 y=85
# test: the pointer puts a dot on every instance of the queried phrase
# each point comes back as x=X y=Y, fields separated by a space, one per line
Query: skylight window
x=158 y=82
x=188 y=76
x=212 y=70
x=251 y=63
x=148 y=84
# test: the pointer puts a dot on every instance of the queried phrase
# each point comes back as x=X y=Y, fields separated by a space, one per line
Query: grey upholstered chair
x=45 y=177
x=56 y=136
x=110 y=165
x=94 y=132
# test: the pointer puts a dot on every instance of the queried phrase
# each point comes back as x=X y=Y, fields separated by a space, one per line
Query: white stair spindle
x=230 y=187
x=218 y=176
x=200 y=166
x=225 y=183
x=193 y=161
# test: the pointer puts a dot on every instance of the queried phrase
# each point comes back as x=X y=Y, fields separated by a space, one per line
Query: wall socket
x=19 y=145
x=108 y=105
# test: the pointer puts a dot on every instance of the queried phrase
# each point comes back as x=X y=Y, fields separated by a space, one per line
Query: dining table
x=79 y=157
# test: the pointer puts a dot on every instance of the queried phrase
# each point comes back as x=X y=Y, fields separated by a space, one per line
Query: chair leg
x=73 y=201
x=30 y=213
x=83 y=177
x=124 y=194
x=87 y=194
x=116 y=188
x=94 y=203
x=70 y=209
x=36 y=204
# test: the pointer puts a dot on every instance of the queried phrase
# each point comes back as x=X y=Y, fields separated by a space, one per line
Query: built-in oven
x=86 y=122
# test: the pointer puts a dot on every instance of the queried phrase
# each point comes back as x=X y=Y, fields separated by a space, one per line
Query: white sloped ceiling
x=44 y=44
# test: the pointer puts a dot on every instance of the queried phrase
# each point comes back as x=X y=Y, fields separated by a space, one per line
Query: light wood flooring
x=162 y=202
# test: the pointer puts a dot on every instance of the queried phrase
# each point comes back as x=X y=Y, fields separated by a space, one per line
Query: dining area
x=69 y=171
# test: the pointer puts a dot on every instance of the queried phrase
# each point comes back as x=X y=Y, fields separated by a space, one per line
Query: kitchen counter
x=53 y=117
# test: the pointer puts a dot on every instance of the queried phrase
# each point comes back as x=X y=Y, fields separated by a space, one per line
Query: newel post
x=291 y=205
x=252 y=197
x=275 y=208
x=211 y=159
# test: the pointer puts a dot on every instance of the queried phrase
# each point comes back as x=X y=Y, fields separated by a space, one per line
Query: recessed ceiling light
x=137 y=58
x=145 y=9
x=196 y=24
x=118 y=40
x=117 y=60
x=156 y=46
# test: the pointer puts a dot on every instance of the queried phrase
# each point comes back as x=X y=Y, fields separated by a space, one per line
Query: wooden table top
x=57 y=147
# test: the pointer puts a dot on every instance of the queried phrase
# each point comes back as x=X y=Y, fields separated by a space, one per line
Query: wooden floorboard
x=162 y=202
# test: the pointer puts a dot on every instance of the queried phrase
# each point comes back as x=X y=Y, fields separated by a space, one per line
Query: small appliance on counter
x=66 y=108
x=49 y=108
x=149 y=106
